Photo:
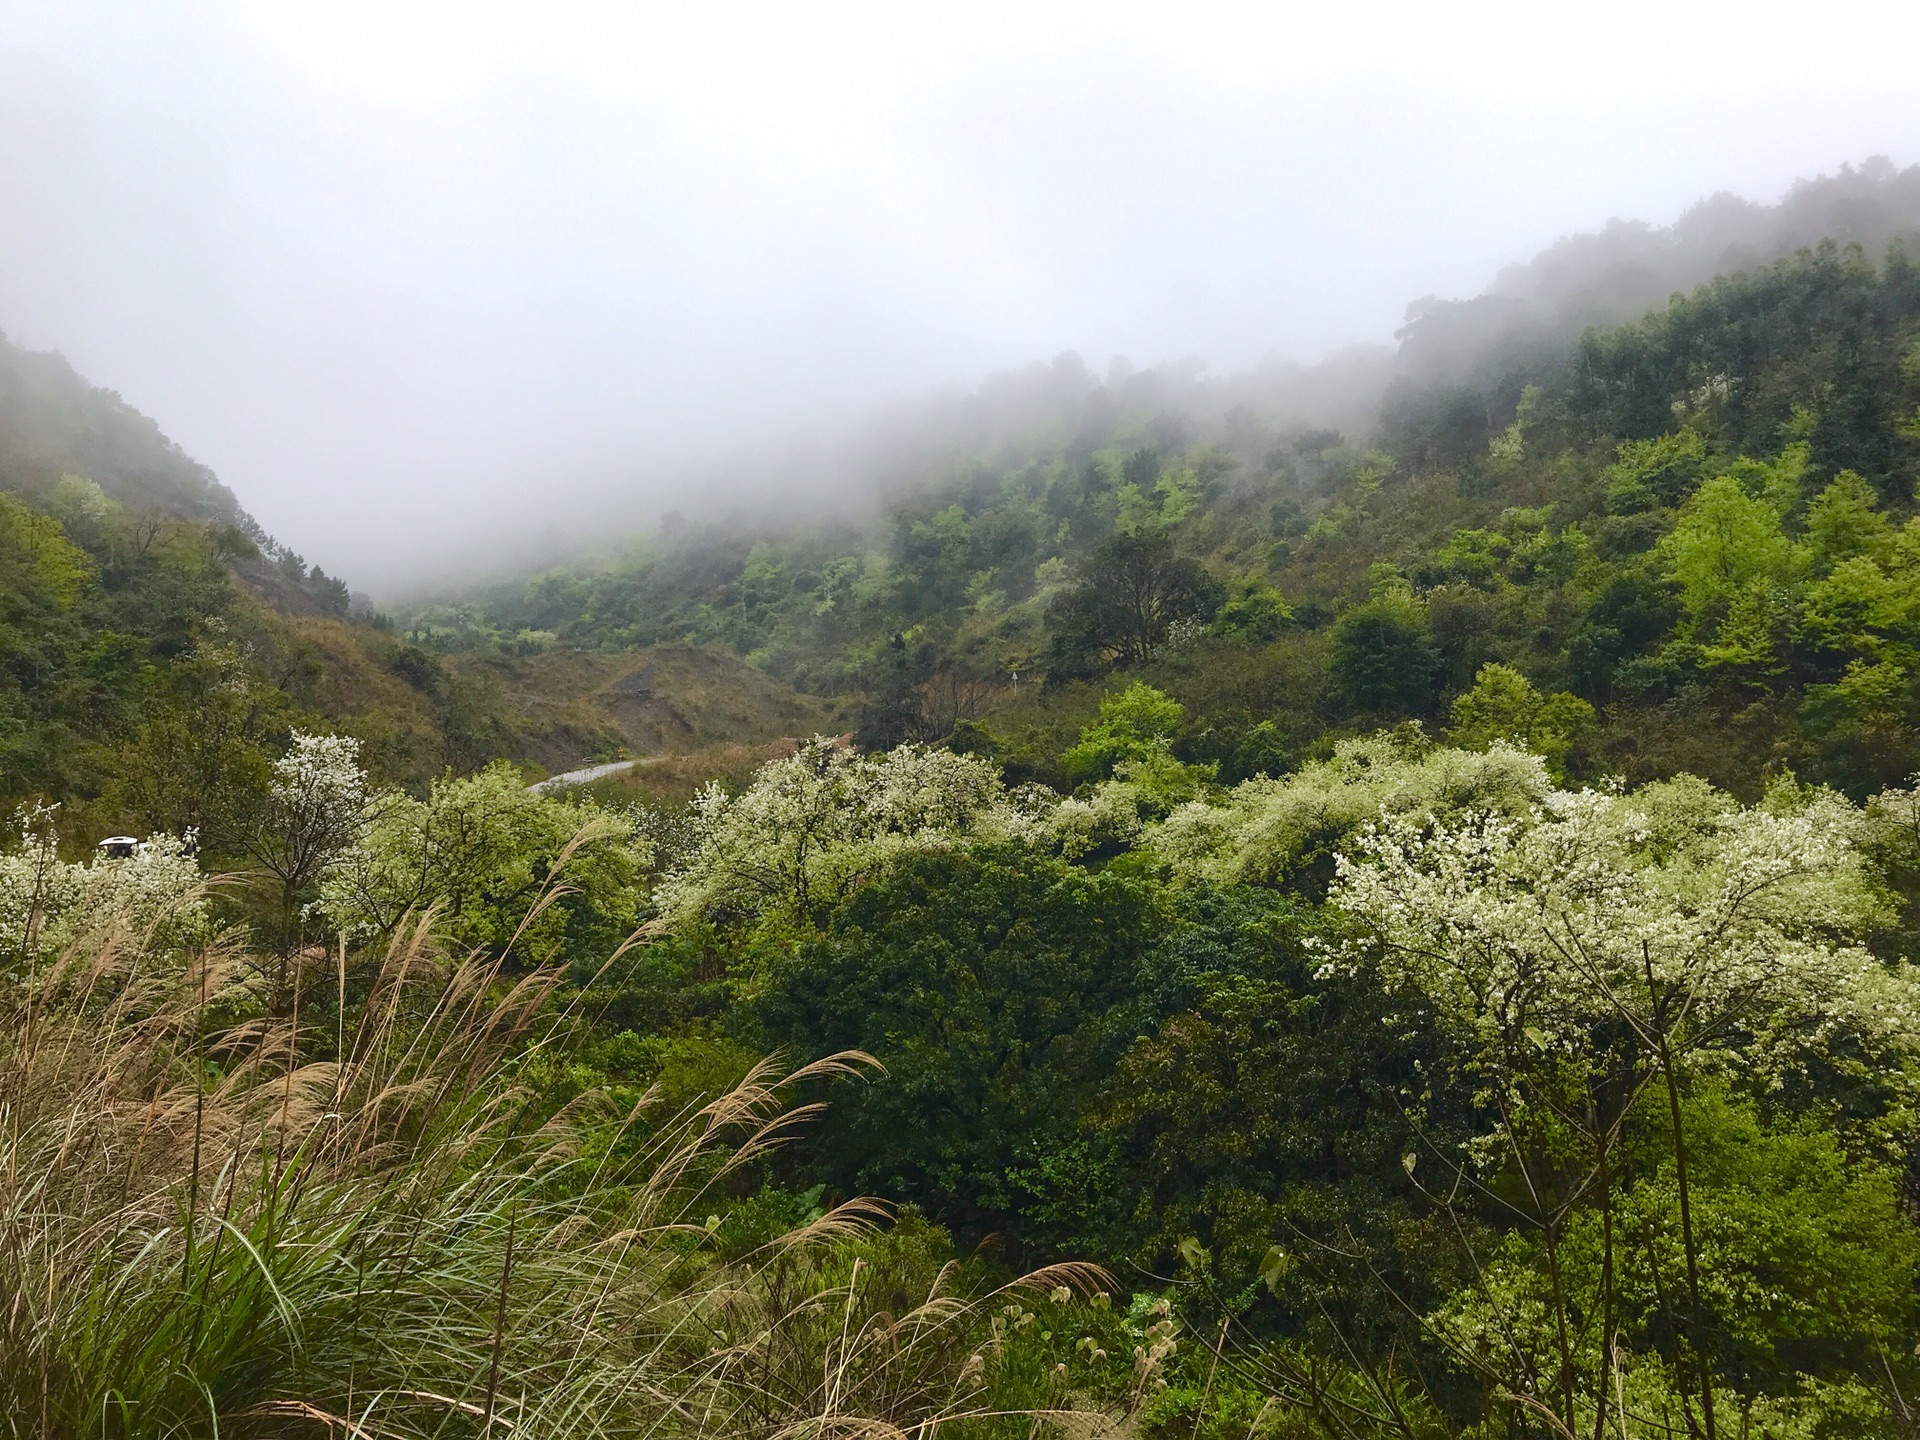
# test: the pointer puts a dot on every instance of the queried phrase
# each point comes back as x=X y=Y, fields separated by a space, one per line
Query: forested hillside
x=1388 y=931
x=1691 y=525
x=157 y=649
x=54 y=423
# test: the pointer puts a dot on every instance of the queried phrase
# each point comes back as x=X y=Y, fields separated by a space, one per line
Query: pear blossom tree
x=1594 y=947
x=311 y=814
x=812 y=828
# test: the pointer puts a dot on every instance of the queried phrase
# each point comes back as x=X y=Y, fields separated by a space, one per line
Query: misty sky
x=406 y=275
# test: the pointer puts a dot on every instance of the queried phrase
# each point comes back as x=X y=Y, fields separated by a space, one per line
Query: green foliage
x=1806 y=1256
x=201 y=761
x=1813 y=342
x=1456 y=1103
x=1383 y=659
x=428 y=1234
x=38 y=561
x=1266 y=1100
x=1504 y=705
x=1656 y=473
x=1254 y=611
x=1844 y=523
x=1727 y=551
x=1137 y=723
x=995 y=988
x=498 y=866
x=88 y=638
x=1135 y=592
x=1804 y=1260
x=144 y=685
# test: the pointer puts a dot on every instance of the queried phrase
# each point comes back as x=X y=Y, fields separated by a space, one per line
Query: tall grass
x=205 y=1231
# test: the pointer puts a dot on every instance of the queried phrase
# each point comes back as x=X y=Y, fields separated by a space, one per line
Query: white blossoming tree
x=1688 y=919
x=810 y=829
x=310 y=815
x=501 y=867
x=1590 y=952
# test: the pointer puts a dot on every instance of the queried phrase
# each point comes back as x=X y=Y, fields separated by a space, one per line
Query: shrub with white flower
x=499 y=865
x=812 y=828
x=1272 y=831
x=152 y=901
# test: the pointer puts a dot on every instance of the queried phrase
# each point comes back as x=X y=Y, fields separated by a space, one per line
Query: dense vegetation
x=1430 y=912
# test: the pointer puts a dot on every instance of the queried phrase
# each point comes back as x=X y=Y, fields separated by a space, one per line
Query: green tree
x=1806 y=1267
x=995 y=986
x=894 y=710
x=1664 y=471
x=1861 y=617
x=1137 y=723
x=1383 y=659
x=1131 y=594
x=1254 y=611
x=482 y=851
x=201 y=762
x=1736 y=570
x=1724 y=543
x=1504 y=705
x=1267 y=1099
x=1844 y=521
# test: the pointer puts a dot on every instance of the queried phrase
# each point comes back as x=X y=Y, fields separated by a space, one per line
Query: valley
x=1186 y=920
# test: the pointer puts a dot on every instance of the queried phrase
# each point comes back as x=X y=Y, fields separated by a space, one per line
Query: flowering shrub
x=482 y=851
x=152 y=899
x=810 y=829
x=1274 y=831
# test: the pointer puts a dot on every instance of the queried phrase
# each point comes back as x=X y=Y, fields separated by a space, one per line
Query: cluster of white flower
x=1269 y=829
x=811 y=828
x=1670 y=909
x=320 y=777
x=1108 y=818
x=152 y=898
x=314 y=809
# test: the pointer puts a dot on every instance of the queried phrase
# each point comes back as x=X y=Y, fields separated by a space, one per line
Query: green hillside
x=157 y=649
x=1570 y=520
x=53 y=423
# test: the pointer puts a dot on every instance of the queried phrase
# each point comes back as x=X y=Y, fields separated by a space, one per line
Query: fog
x=431 y=284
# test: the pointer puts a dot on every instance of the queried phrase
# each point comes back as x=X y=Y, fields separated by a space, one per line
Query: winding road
x=568 y=779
